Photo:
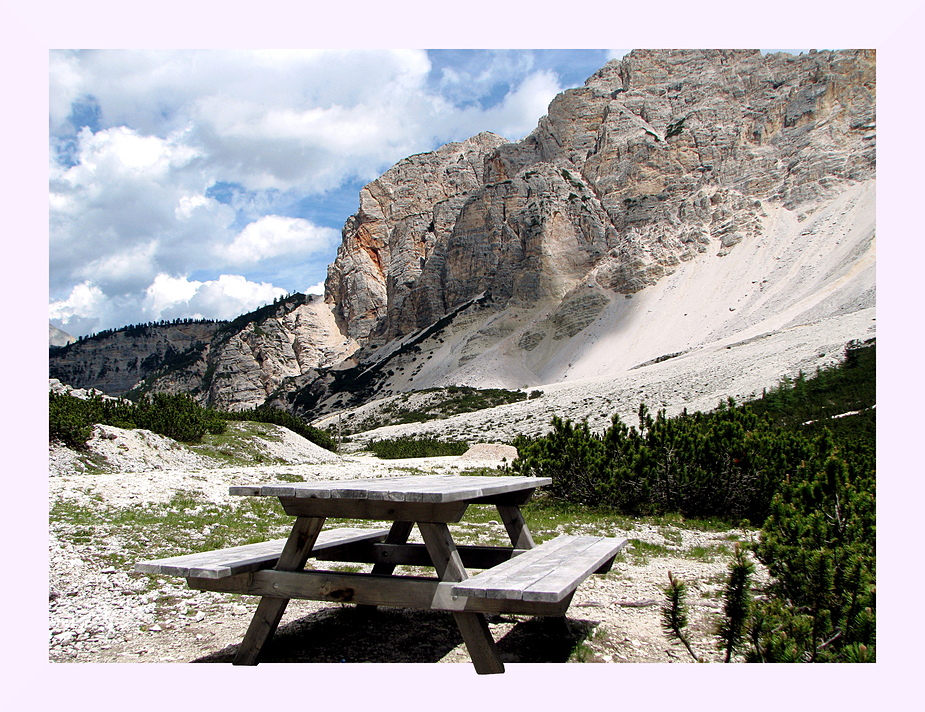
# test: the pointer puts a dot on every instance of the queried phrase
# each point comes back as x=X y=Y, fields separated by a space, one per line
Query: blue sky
x=204 y=183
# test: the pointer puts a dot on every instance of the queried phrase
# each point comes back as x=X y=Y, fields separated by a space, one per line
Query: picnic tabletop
x=411 y=488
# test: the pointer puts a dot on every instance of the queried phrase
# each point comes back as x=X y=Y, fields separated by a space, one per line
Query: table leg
x=472 y=626
x=398 y=534
x=270 y=610
x=516 y=526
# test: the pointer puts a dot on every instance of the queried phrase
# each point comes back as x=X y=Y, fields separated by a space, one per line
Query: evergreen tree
x=674 y=613
x=736 y=603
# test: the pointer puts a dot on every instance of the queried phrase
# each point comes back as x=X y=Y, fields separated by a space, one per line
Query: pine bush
x=819 y=544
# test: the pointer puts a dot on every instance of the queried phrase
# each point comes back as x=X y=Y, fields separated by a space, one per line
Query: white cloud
x=87 y=308
x=127 y=269
x=85 y=299
x=227 y=297
x=315 y=288
x=230 y=296
x=129 y=208
x=166 y=292
x=521 y=108
x=272 y=236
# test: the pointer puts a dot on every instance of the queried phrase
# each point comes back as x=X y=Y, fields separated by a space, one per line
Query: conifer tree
x=736 y=602
x=674 y=613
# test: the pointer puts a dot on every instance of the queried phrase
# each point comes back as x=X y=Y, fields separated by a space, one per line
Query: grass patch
x=186 y=524
x=440 y=403
x=642 y=551
x=236 y=447
x=708 y=553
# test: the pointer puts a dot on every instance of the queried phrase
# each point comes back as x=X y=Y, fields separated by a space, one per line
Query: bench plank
x=548 y=573
x=249 y=557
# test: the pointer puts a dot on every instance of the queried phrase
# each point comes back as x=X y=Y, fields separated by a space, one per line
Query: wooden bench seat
x=547 y=573
x=223 y=563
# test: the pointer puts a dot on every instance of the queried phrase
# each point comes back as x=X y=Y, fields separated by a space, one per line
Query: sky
x=206 y=183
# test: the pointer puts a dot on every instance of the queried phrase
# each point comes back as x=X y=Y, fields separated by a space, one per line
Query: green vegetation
x=395 y=448
x=177 y=416
x=439 y=403
x=819 y=544
x=185 y=524
x=287 y=420
x=793 y=462
x=720 y=464
x=727 y=463
x=674 y=613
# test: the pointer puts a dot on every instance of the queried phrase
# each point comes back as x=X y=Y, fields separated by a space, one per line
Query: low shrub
x=403 y=447
x=286 y=420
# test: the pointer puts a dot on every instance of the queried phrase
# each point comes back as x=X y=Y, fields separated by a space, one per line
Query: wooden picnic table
x=522 y=578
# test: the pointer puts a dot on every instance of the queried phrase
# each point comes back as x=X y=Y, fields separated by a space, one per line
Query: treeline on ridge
x=140 y=329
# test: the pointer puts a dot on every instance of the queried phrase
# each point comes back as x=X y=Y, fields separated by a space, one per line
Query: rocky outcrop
x=403 y=215
x=247 y=364
x=116 y=361
x=661 y=156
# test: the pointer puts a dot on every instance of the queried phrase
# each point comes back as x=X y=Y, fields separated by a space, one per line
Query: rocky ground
x=101 y=611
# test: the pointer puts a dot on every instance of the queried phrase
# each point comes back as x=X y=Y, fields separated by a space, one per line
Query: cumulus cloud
x=272 y=236
x=224 y=298
x=87 y=308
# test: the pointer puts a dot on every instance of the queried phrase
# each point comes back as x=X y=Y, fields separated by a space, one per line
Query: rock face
x=659 y=157
x=253 y=359
x=403 y=216
x=115 y=362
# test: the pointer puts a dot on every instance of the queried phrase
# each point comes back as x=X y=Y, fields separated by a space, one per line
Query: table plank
x=413 y=488
x=546 y=573
x=249 y=557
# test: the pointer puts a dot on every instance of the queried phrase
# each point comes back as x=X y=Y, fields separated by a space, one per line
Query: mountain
x=679 y=203
x=56 y=337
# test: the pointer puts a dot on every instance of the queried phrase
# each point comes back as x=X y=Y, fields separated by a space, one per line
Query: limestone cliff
x=659 y=157
x=403 y=216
